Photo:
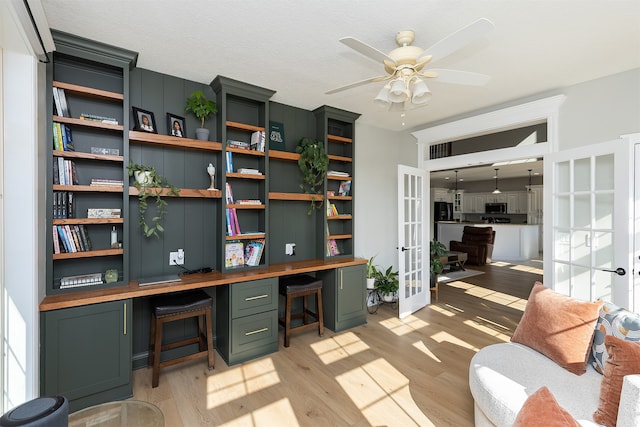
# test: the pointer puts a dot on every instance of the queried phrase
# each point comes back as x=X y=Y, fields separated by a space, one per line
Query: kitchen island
x=514 y=242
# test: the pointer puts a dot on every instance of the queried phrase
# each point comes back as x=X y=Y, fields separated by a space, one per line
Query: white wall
x=21 y=272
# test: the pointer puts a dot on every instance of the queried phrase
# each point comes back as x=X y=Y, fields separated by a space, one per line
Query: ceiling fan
x=405 y=66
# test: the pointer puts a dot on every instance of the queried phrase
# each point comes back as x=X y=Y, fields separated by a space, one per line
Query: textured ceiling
x=292 y=46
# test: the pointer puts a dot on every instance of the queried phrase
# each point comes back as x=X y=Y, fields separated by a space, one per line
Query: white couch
x=502 y=376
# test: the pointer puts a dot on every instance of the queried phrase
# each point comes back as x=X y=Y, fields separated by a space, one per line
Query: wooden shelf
x=246 y=236
x=340 y=236
x=339 y=197
x=336 y=138
x=284 y=155
x=335 y=217
x=247 y=152
x=88 y=254
x=243 y=126
x=87 y=123
x=339 y=177
x=336 y=158
x=89 y=91
x=247 y=206
x=87 y=156
x=184 y=192
x=244 y=175
x=78 y=221
x=172 y=141
x=294 y=196
x=89 y=188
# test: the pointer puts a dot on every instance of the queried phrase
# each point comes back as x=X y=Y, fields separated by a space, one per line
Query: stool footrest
x=180 y=359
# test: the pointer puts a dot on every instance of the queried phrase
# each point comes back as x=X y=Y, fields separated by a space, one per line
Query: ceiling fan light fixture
x=382 y=100
x=421 y=93
x=398 y=91
x=396 y=106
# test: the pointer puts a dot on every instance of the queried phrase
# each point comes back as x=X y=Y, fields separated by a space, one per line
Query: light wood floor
x=389 y=372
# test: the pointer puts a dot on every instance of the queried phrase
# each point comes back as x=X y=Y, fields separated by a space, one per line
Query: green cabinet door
x=344 y=297
x=86 y=353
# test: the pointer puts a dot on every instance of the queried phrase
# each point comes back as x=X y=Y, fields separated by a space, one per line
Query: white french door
x=590 y=250
x=413 y=244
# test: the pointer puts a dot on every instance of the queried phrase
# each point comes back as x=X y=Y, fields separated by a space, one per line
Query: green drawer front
x=254 y=331
x=253 y=297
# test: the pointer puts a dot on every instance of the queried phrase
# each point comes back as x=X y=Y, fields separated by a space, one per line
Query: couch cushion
x=616 y=321
x=624 y=359
x=502 y=376
x=559 y=327
x=542 y=409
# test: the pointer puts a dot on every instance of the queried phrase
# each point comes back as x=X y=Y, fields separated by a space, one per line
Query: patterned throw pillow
x=615 y=321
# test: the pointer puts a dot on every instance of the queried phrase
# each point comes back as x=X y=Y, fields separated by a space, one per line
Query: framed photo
x=144 y=120
x=176 y=126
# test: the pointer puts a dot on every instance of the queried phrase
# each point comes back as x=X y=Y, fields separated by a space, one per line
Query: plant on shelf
x=150 y=185
x=436 y=252
x=371 y=273
x=313 y=164
x=202 y=108
x=387 y=283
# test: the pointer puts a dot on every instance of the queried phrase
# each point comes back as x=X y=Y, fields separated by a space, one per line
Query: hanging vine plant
x=313 y=164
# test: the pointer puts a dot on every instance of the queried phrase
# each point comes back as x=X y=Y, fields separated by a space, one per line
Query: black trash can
x=39 y=412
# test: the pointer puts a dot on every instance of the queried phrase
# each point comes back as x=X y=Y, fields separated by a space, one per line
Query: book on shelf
x=105 y=181
x=233 y=254
x=332 y=248
x=67 y=173
x=81 y=280
x=345 y=188
x=253 y=252
x=103 y=213
x=258 y=141
x=63 y=204
x=56 y=241
x=60 y=102
x=249 y=171
x=97 y=118
x=238 y=144
x=233 y=225
x=229 y=194
x=229 y=157
x=70 y=239
x=62 y=137
x=56 y=101
x=338 y=173
x=249 y=202
x=332 y=210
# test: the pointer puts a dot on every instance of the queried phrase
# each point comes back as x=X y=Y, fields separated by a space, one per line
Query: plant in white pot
x=387 y=284
x=371 y=272
x=202 y=108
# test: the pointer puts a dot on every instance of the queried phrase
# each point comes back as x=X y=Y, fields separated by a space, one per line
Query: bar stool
x=301 y=285
x=172 y=307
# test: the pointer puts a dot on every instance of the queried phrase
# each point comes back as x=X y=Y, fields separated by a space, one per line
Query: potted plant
x=202 y=108
x=313 y=164
x=436 y=252
x=387 y=284
x=150 y=185
x=371 y=273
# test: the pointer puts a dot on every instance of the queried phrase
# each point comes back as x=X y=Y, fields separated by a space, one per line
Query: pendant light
x=456 y=181
x=497 y=191
x=529 y=187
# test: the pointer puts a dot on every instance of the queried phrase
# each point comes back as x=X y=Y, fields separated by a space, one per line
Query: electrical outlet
x=290 y=249
x=176 y=258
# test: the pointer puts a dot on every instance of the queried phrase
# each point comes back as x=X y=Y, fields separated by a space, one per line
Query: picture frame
x=144 y=120
x=176 y=126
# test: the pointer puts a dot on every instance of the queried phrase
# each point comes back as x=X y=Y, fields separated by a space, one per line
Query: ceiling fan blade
x=457 y=77
x=459 y=39
x=356 y=84
x=366 y=50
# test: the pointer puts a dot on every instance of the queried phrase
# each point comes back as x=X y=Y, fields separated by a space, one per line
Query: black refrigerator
x=442 y=211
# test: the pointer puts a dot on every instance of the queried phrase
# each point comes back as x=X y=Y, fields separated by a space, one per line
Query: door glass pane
x=407 y=210
x=418 y=186
x=562 y=183
x=581 y=283
x=563 y=218
x=582 y=174
x=406 y=184
x=604 y=211
x=581 y=247
x=562 y=245
x=582 y=211
x=603 y=285
x=407 y=236
x=604 y=172
x=563 y=278
x=603 y=250
x=413 y=187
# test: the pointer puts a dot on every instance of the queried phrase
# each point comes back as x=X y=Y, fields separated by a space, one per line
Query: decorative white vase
x=143 y=177
x=371 y=283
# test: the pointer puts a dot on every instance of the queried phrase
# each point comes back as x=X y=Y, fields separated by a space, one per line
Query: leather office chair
x=477 y=242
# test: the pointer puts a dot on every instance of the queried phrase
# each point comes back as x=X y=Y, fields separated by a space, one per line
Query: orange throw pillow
x=542 y=409
x=558 y=326
x=624 y=359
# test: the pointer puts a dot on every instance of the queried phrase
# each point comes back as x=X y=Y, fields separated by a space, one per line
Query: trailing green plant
x=200 y=106
x=436 y=251
x=387 y=281
x=313 y=164
x=151 y=188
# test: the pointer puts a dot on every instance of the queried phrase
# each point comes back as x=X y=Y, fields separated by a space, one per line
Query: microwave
x=495 y=208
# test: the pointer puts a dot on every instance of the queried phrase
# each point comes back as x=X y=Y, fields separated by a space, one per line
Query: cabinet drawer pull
x=256 y=297
x=125 y=319
x=257 y=331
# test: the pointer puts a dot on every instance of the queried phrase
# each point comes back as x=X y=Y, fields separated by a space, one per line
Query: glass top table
x=126 y=413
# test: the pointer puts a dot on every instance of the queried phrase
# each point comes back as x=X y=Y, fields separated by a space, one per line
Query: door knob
x=619 y=271
x=403 y=249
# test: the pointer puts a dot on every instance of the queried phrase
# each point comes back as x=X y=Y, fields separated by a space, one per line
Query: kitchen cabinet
x=517 y=202
x=534 y=205
x=344 y=297
x=474 y=202
x=441 y=195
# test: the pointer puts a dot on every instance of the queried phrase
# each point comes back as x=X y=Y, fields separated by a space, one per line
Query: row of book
x=62 y=137
x=105 y=181
x=257 y=142
x=97 y=118
x=70 y=239
x=64 y=172
x=64 y=205
x=81 y=280
x=60 y=102
x=239 y=254
x=233 y=225
x=332 y=210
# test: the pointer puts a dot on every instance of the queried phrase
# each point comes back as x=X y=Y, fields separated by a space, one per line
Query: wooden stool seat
x=171 y=307
x=301 y=285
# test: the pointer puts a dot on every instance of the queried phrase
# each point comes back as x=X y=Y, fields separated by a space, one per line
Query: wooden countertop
x=190 y=281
